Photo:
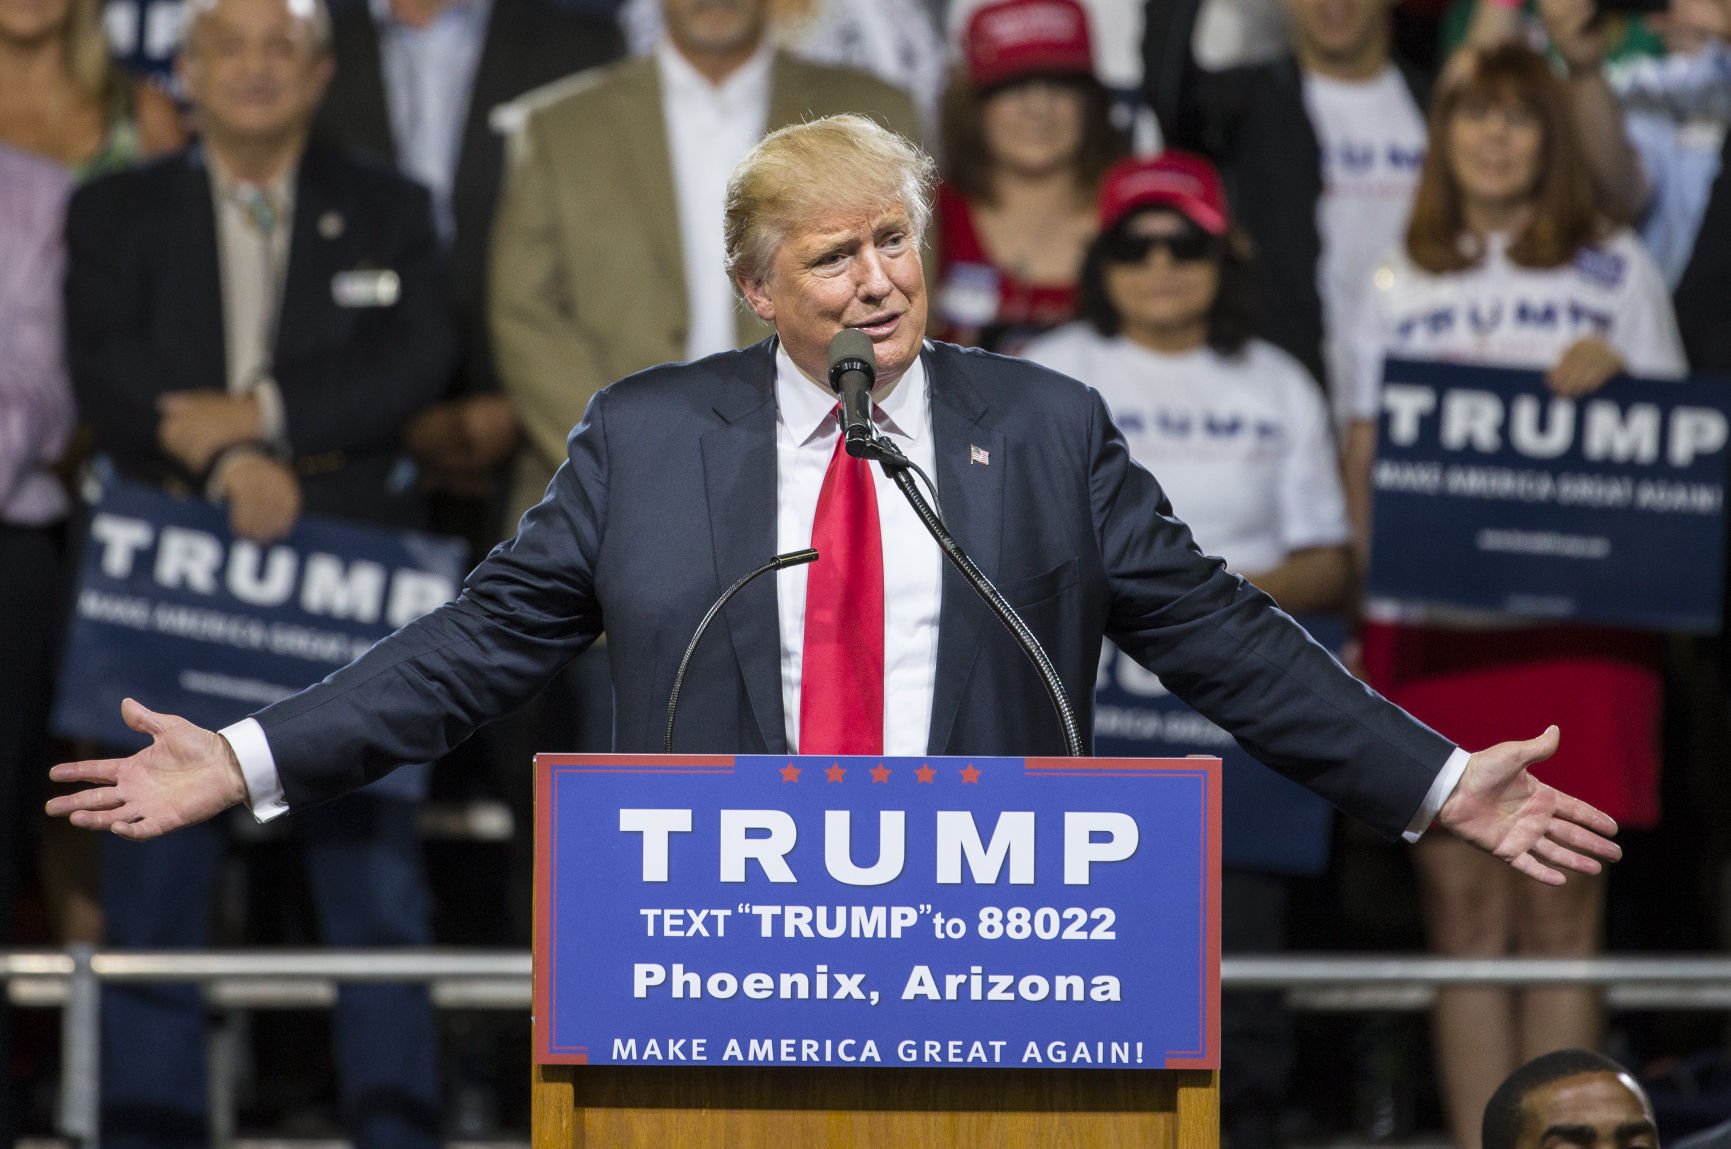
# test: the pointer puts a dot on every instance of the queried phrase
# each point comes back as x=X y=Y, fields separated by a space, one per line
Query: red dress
x=981 y=304
x=1481 y=687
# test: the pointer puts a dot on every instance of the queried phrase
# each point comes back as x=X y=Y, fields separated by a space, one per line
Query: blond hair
x=87 y=58
x=838 y=163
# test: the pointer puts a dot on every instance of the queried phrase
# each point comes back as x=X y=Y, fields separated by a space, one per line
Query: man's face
x=1337 y=28
x=1588 y=1111
x=846 y=270
x=703 y=27
x=254 y=69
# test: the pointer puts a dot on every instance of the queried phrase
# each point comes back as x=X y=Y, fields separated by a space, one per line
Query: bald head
x=310 y=20
x=256 y=71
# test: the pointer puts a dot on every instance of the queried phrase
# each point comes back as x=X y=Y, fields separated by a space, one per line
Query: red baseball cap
x=1182 y=181
x=1015 y=38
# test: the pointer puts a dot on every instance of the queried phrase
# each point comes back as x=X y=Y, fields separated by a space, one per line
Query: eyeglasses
x=1187 y=246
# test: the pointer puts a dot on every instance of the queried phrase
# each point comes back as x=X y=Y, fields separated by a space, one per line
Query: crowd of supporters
x=372 y=262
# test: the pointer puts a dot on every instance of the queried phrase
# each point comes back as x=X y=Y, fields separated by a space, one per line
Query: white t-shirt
x=1501 y=314
x=1372 y=136
x=1241 y=445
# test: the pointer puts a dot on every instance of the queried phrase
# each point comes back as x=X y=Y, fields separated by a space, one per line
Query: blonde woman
x=65 y=98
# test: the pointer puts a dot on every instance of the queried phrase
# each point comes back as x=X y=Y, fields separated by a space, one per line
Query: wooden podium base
x=613 y=1107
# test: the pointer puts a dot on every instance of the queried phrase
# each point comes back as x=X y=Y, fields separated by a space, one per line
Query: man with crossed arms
x=681 y=478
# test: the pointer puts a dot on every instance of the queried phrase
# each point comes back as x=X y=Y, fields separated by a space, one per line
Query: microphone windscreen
x=852 y=343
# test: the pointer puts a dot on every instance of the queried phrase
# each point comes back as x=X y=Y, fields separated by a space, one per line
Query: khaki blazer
x=587 y=278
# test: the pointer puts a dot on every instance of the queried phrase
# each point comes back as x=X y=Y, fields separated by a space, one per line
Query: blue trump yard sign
x=173 y=610
x=991 y=912
x=1492 y=494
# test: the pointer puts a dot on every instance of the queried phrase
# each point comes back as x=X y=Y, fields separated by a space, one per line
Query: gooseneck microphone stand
x=779 y=562
x=899 y=467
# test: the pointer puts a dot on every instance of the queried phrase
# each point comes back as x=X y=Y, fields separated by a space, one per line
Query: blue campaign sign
x=1272 y=824
x=173 y=610
x=993 y=912
x=1491 y=493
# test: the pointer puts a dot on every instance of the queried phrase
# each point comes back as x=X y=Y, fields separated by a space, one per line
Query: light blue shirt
x=429 y=76
x=1676 y=109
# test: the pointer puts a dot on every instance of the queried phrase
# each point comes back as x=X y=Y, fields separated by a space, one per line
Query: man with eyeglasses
x=255 y=321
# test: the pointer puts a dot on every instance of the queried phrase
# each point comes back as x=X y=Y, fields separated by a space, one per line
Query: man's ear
x=756 y=293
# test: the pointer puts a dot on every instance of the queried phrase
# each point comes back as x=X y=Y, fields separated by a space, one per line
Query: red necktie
x=841 y=692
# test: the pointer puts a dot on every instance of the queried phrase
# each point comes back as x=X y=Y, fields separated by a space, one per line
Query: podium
x=792 y=952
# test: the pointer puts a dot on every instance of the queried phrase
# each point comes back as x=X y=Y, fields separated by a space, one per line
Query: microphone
x=853 y=369
x=779 y=562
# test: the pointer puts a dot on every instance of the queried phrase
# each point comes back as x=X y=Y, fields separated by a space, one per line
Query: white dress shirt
x=254 y=224
x=805 y=438
x=710 y=127
x=429 y=76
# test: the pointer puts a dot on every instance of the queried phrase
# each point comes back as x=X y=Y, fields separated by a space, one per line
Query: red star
x=880 y=773
x=971 y=774
x=790 y=773
x=925 y=773
x=836 y=773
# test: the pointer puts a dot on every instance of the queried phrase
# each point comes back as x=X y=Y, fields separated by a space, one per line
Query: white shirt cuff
x=272 y=422
x=1440 y=789
x=258 y=767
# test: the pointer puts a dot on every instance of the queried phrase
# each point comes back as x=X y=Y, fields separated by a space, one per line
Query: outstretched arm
x=1502 y=809
x=186 y=775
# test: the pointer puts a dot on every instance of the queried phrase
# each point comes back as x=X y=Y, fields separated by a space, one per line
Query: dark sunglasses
x=1187 y=246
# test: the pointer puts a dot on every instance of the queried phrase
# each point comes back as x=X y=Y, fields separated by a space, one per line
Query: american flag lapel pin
x=979 y=455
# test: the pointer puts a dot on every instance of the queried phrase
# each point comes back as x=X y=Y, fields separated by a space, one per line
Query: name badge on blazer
x=366 y=288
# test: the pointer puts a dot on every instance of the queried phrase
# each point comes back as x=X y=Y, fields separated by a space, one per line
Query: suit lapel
x=492 y=85
x=789 y=100
x=316 y=253
x=739 y=483
x=973 y=503
x=199 y=279
x=361 y=56
x=639 y=118
x=788 y=104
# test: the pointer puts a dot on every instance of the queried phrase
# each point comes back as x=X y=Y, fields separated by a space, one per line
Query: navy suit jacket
x=669 y=494
x=528 y=43
x=144 y=317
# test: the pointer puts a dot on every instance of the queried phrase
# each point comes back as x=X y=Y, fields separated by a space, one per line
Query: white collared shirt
x=429 y=76
x=710 y=127
x=253 y=267
x=805 y=438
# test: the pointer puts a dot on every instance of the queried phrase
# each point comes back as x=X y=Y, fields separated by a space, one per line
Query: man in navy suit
x=681 y=478
x=255 y=321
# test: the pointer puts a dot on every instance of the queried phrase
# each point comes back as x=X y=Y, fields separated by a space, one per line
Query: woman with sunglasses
x=1238 y=434
x=1506 y=240
x=1236 y=430
x=1027 y=133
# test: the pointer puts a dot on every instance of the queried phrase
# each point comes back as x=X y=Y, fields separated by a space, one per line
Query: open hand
x=1576 y=33
x=473 y=434
x=1502 y=809
x=185 y=775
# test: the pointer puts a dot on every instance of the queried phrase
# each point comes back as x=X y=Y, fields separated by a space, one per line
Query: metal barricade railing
x=500 y=979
